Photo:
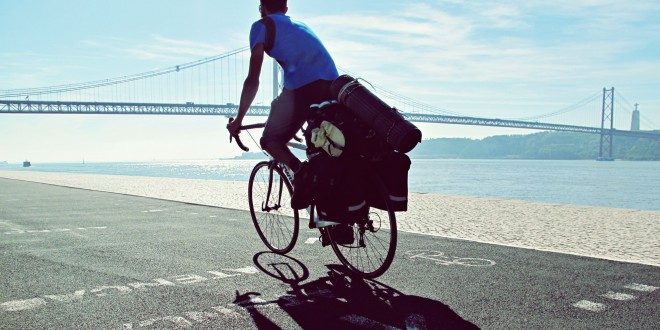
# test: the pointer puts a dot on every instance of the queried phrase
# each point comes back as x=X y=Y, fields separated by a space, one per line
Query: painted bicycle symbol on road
x=441 y=258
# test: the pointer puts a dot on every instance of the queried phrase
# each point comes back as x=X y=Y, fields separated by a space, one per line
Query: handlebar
x=242 y=128
x=246 y=127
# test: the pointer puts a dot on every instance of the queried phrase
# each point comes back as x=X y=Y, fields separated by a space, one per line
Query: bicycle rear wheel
x=374 y=244
x=269 y=195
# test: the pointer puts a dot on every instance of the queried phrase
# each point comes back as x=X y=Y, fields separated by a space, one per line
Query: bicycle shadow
x=342 y=301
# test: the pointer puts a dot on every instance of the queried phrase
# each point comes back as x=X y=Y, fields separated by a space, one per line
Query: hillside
x=544 y=145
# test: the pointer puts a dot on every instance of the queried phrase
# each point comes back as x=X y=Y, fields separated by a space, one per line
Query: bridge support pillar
x=607 y=123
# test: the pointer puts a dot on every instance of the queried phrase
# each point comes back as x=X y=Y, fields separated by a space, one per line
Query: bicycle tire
x=377 y=254
x=276 y=222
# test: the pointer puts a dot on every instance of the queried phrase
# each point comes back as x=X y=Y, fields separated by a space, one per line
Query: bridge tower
x=607 y=119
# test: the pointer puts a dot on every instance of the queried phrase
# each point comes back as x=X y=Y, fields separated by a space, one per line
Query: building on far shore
x=634 y=125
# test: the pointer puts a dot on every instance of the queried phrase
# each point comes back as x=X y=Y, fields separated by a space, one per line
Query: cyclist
x=308 y=72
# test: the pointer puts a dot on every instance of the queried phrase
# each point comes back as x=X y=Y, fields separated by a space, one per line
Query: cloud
x=187 y=48
x=160 y=48
x=496 y=52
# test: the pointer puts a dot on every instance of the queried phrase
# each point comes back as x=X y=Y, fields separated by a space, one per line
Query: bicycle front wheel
x=374 y=243
x=269 y=195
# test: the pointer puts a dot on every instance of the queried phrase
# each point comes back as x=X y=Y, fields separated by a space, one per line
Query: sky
x=494 y=59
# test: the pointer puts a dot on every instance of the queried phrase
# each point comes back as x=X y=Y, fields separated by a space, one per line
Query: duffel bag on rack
x=388 y=124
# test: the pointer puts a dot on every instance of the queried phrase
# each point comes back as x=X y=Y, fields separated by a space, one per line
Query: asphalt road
x=79 y=259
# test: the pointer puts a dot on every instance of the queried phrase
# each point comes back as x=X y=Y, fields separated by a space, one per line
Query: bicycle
x=270 y=188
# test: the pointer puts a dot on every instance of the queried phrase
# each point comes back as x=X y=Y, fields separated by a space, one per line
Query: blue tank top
x=299 y=51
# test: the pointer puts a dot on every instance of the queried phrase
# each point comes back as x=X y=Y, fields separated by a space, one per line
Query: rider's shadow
x=341 y=301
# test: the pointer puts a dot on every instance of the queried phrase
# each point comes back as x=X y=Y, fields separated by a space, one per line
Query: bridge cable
x=570 y=108
x=112 y=81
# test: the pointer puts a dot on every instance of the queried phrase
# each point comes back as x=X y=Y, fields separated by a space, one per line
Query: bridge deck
x=56 y=107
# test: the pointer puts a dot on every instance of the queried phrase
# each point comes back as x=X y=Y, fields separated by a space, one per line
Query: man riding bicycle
x=308 y=72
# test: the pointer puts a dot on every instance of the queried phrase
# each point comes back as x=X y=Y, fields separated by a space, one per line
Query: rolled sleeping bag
x=386 y=121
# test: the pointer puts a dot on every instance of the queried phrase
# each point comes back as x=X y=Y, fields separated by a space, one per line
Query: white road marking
x=618 y=296
x=598 y=307
x=78 y=295
x=177 y=321
x=20 y=305
x=57 y=230
x=99 y=291
x=590 y=306
x=190 y=278
x=312 y=240
x=204 y=318
x=156 y=283
x=441 y=259
x=244 y=270
x=109 y=290
x=220 y=274
x=641 y=287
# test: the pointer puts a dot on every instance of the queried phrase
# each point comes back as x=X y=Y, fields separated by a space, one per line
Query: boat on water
x=27 y=163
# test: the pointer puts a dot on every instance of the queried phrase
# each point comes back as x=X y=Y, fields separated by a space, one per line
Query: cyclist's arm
x=251 y=84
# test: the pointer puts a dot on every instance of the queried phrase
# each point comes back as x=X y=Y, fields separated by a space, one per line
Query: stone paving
x=615 y=234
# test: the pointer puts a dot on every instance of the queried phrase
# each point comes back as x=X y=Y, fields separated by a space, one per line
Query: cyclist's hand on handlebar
x=234 y=126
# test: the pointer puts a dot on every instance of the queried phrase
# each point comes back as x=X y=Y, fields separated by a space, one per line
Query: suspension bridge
x=212 y=86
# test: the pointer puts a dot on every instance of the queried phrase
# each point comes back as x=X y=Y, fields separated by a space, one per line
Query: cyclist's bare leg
x=284 y=120
x=282 y=153
x=288 y=113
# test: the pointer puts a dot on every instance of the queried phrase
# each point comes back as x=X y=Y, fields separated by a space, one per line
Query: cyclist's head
x=274 y=6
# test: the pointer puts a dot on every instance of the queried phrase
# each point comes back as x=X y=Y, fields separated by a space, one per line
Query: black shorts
x=288 y=111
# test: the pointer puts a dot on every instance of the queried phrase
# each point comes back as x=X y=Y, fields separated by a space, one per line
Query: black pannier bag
x=393 y=171
x=356 y=139
x=338 y=190
x=388 y=124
